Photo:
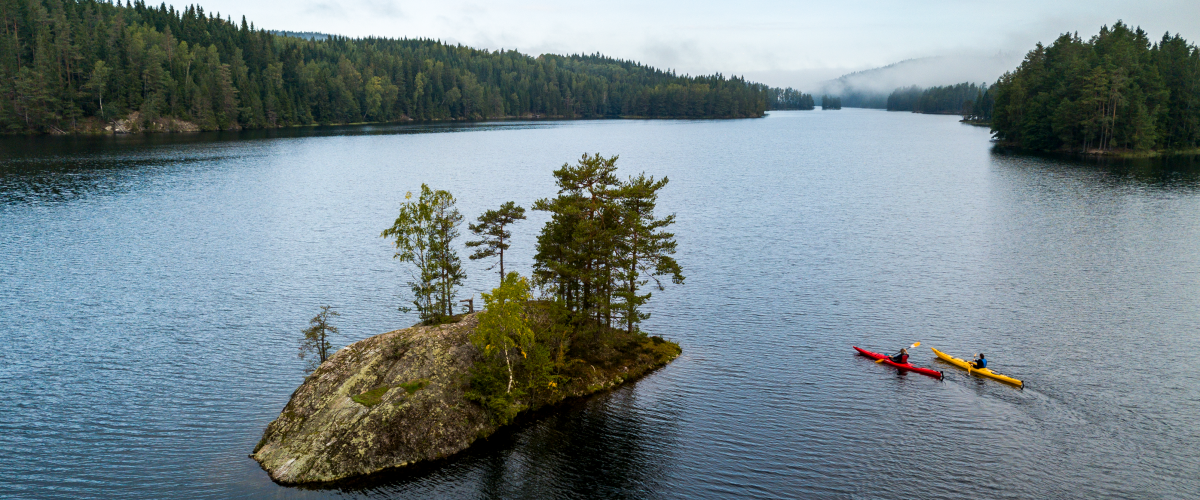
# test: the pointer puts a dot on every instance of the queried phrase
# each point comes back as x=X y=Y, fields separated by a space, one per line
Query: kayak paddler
x=980 y=362
x=901 y=358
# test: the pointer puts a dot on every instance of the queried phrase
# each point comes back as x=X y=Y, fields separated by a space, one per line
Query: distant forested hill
x=1116 y=91
x=957 y=99
x=77 y=65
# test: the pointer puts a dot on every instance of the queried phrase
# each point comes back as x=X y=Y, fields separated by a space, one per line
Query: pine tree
x=645 y=249
x=315 y=345
x=492 y=233
x=575 y=247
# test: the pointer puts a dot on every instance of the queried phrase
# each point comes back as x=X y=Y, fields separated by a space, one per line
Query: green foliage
x=1116 y=91
x=371 y=397
x=191 y=65
x=423 y=234
x=662 y=350
x=315 y=345
x=503 y=330
x=492 y=233
x=831 y=102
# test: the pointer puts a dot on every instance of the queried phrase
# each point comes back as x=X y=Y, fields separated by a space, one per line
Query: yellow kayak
x=983 y=372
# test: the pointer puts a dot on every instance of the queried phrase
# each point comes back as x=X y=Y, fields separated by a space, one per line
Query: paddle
x=971 y=364
x=880 y=360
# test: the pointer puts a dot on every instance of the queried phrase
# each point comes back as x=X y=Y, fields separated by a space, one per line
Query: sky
x=781 y=43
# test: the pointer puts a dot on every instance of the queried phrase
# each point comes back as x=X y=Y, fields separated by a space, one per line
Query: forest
x=950 y=99
x=789 y=98
x=82 y=65
x=1117 y=91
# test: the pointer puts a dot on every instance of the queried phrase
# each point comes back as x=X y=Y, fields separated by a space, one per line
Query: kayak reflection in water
x=980 y=362
x=901 y=358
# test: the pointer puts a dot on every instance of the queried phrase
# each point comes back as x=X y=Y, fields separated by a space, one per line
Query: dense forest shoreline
x=89 y=66
x=132 y=124
x=1115 y=94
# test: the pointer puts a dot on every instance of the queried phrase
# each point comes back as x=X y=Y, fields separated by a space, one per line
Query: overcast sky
x=776 y=42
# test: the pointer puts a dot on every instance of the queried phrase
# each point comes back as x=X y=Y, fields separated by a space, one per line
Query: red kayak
x=905 y=366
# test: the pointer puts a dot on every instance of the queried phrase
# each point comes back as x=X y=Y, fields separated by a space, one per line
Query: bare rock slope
x=396 y=399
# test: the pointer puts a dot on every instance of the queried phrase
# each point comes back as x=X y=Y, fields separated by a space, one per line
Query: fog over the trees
x=781 y=43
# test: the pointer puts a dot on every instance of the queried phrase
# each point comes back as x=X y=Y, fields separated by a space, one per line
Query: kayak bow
x=983 y=372
x=905 y=366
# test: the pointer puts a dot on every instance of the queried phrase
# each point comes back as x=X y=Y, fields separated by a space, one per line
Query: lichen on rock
x=397 y=399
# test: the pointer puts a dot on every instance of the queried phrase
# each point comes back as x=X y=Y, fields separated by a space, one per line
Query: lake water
x=153 y=289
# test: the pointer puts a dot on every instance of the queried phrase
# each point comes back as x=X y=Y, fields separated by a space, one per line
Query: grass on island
x=371 y=397
x=414 y=386
x=375 y=396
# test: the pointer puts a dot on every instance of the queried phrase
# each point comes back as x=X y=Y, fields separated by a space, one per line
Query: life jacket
x=981 y=363
x=900 y=359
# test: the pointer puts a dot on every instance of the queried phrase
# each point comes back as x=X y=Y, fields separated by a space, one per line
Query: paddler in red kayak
x=901 y=358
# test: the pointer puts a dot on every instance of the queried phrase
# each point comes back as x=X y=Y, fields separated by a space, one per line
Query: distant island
x=91 y=66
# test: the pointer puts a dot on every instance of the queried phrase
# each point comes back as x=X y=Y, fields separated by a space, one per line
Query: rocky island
x=431 y=390
x=401 y=397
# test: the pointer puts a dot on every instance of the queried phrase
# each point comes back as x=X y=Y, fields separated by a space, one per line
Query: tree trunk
x=510 y=372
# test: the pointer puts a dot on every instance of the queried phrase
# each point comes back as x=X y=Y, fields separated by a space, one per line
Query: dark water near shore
x=152 y=291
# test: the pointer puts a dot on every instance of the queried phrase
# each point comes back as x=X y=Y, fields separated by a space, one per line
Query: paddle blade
x=880 y=360
x=915 y=345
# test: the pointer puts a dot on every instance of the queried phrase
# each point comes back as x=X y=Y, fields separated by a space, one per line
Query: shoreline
x=1122 y=154
x=90 y=127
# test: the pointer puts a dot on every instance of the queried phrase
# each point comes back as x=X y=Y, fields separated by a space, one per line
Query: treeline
x=831 y=102
x=74 y=65
x=973 y=102
x=951 y=99
x=789 y=98
x=1115 y=91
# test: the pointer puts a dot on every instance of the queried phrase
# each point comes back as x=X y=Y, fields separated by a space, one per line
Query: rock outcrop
x=397 y=399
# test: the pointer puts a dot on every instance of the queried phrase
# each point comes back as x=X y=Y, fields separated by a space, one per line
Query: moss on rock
x=336 y=425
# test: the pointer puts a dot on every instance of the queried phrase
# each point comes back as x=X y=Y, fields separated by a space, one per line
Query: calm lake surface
x=153 y=289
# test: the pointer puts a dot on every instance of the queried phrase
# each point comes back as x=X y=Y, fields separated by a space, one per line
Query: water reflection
x=55 y=169
x=155 y=287
x=1170 y=170
x=600 y=447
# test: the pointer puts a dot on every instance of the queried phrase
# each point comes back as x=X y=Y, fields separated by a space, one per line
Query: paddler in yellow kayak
x=980 y=362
